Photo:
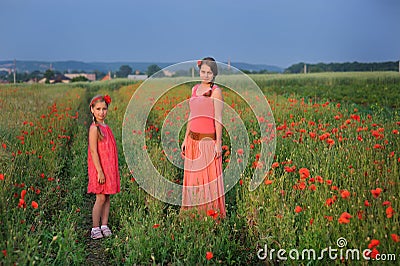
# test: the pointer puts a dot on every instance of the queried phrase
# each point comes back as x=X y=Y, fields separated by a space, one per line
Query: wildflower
x=366 y=203
x=298 y=209
x=304 y=173
x=373 y=253
x=359 y=215
x=156 y=225
x=240 y=151
x=389 y=212
x=290 y=169
x=345 y=194
x=319 y=179
x=268 y=182
x=35 y=205
x=313 y=187
x=212 y=214
x=209 y=255
x=344 y=218
x=373 y=243
x=275 y=165
x=376 y=192
x=1 y=177
x=395 y=237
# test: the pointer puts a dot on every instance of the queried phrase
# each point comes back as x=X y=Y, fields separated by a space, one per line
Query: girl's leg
x=98 y=209
x=106 y=210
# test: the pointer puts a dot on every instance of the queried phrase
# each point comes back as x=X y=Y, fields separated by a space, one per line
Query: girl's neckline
x=197 y=87
x=102 y=124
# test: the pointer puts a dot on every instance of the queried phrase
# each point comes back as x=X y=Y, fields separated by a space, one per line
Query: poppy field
x=334 y=176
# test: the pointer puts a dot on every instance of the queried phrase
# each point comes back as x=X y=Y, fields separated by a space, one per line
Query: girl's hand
x=183 y=146
x=101 y=178
x=218 y=149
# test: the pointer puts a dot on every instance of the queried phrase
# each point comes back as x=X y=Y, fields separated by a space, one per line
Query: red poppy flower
x=345 y=194
x=23 y=193
x=344 y=218
x=268 y=182
x=212 y=214
x=298 y=209
x=209 y=255
x=395 y=238
x=240 y=151
x=35 y=205
x=373 y=243
x=275 y=165
x=366 y=203
x=1 y=177
x=4 y=252
x=389 y=212
x=304 y=173
x=319 y=179
x=374 y=253
x=156 y=225
x=376 y=192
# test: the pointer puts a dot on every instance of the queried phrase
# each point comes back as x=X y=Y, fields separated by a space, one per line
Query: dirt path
x=96 y=254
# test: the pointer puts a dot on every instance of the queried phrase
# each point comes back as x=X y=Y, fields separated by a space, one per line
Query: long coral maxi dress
x=107 y=150
x=203 y=186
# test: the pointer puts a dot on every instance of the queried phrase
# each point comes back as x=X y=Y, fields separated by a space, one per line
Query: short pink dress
x=107 y=150
x=203 y=186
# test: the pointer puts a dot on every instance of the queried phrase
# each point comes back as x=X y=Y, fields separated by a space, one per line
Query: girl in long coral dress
x=203 y=187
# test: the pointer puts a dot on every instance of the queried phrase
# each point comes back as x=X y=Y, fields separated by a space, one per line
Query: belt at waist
x=199 y=136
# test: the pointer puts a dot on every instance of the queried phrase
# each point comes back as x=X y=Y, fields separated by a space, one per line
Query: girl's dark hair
x=97 y=99
x=209 y=61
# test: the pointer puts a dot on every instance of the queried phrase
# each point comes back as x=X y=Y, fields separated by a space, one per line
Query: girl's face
x=206 y=74
x=99 y=111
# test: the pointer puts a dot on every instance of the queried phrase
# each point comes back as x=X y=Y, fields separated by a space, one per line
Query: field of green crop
x=333 y=186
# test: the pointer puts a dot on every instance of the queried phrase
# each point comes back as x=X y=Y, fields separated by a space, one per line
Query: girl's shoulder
x=194 y=88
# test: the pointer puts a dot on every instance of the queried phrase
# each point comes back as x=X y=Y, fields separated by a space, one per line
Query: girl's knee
x=101 y=198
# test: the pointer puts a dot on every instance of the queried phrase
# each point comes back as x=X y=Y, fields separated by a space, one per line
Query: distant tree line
x=343 y=67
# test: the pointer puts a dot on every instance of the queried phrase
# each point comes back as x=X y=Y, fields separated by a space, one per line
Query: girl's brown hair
x=98 y=99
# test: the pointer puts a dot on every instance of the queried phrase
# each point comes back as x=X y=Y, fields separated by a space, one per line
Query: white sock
x=95 y=228
x=104 y=227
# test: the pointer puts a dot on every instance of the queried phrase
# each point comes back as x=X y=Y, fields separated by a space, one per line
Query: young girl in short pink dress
x=103 y=172
x=203 y=187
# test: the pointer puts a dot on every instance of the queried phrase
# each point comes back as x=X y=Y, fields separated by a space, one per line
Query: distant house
x=57 y=79
x=91 y=77
x=60 y=79
x=137 y=77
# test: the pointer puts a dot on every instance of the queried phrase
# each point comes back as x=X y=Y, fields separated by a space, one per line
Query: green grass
x=43 y=133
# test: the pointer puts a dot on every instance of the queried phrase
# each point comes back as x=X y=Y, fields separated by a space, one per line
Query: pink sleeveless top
x=201 y=112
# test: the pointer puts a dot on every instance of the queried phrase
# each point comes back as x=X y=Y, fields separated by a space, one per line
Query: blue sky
x=273 y=32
